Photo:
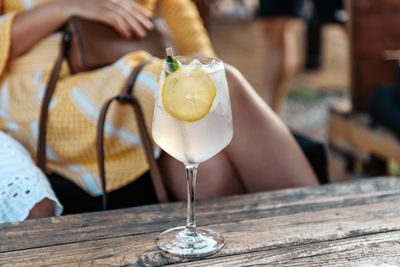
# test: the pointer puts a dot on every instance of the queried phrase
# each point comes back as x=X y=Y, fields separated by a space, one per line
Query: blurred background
x=327 y=68
x=239 y=37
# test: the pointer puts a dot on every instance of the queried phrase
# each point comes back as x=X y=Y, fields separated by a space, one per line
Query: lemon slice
x=188 y=94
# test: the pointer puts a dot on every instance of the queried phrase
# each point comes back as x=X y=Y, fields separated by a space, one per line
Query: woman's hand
x=127 y=17
x=31 y=26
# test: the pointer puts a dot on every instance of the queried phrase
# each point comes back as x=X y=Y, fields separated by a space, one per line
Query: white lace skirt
x=22 y=184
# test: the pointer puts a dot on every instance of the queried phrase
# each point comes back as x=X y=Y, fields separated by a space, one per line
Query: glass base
x=182 y=242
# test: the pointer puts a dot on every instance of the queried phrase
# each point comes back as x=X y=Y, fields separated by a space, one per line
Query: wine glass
x=192 y=122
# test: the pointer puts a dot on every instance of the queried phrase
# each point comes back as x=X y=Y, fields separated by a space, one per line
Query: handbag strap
x=50 y=88
x=127 y=98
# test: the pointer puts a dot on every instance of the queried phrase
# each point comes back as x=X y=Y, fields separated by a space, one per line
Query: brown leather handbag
x=88 y=45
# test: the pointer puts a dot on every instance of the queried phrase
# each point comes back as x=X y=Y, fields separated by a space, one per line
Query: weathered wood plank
x=246 y=236
x=125 y=222
x=372 y=250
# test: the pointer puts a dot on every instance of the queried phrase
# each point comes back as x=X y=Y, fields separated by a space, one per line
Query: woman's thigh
x=216 y=177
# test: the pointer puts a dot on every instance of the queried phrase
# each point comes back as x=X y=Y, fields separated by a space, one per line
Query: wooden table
x=354 y=224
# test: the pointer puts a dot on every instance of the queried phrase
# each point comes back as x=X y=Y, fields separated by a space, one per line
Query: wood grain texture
x=375 y=250
x=357 y=221
x=146 y=219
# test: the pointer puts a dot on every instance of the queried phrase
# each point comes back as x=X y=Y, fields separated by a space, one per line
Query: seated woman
x=261 y=156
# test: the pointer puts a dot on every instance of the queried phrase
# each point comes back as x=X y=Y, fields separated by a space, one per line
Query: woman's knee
x=235 y=81
x=240 y=90
x=232 y=73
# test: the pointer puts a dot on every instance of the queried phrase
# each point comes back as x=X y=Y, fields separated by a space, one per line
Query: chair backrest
x=374 y=26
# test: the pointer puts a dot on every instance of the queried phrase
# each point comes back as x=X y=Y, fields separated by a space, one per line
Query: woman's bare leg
x=216 y=177
x=262 y=150
x=281 y=58
x=262 y=155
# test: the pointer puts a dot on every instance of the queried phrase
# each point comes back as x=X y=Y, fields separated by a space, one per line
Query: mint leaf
x=173 y=66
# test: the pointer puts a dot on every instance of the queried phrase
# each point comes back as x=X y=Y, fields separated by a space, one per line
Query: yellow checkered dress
x=78 y=98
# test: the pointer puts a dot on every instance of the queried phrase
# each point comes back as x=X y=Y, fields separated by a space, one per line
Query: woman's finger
x=131 y=9
x=118 y=23
x=130 y=20
x=145 y=22
x=135 y=6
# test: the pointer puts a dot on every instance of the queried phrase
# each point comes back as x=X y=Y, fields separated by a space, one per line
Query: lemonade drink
x=199 y=132
x=192 y=122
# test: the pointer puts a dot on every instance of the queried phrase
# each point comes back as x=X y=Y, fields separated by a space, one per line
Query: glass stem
x=191 y=173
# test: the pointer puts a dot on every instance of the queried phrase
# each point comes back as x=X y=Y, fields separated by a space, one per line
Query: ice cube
x=214 y=62
x=195 y=64
x=213 y=66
